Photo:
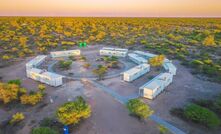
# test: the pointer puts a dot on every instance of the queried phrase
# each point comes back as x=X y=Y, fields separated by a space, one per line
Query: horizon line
x=75 y=16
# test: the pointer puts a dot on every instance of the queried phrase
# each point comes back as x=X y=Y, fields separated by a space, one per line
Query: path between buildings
x=124 y=100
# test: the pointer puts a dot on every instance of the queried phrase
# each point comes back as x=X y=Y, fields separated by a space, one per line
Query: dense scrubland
x=195 y=42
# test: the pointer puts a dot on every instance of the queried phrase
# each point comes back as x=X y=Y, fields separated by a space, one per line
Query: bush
x=8 y=92
x=100 y=71
x=201 y=115
x=31 y=99
x=157 y=60
x=73 y=112
x=163 y=130
x=41 y=87
x=17 y=82
x=138 y=108
x=51 y=123
x=65 y=64
x=43 y=130
x=17 y=118
x=87 y=65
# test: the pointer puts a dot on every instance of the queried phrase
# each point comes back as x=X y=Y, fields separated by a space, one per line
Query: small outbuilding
x=137 y=59
x=145 y=54
x=43 y=76
x=118 y=52
x=67 y=53
x=36 y=61
x=155 y=86
x=169 y=66
x=136 y=72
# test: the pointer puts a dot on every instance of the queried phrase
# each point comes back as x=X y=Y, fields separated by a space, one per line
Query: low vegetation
x=201 y=115
x=100 y=71
x=31 y=99
x=17 y=82
x=17 y=118
x=204 y=112
x=185 y=39
x=163 y=130
x=65 y=64
x=43 y=130
x=73 y=112
x=157 y=61
x=138 y=108
x=8 y=92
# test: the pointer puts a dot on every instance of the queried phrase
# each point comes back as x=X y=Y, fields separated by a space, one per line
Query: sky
x=112 y=8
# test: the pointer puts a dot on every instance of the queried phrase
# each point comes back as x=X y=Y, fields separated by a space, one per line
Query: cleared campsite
x=110 y=70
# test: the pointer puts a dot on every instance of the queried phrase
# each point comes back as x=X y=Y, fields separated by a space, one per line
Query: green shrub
x=201 y=115
x=73 y=112
x=138 y=108
x=163 y=130
x=65 y=64
x=43 y=130
x=16 y=81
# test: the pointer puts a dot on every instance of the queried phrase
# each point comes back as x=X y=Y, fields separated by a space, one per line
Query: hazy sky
x=129 y=8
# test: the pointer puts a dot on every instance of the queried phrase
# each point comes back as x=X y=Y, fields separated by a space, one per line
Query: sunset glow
x=129 y=8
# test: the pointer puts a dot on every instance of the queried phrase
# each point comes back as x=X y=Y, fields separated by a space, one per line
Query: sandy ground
x=109 y=116
x=184 y=88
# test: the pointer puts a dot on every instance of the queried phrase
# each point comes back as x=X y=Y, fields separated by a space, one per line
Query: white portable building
x=145 y=54
x=137 y=59
x=49 y=78
x=170 y=67
x=136 y=72
x=35 y=62
x=155 y=86
x=67 y=53
x=119 y=52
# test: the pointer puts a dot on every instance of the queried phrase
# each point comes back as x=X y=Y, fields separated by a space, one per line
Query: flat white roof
x=147 y=54
x=36 y=70
x=52 y=75
x=169 y=65
x=114 y=49
x=156 y=81
x=137 y=69
x=65 y=51
x=45 y=73
x=36 y=60
x=136 y=57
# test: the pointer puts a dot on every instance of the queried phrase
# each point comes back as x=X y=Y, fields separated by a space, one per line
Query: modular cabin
x=67 y=53
x=136 y=72
x=170 y=67
x=36 y=61
x=137 y=59
x=49 y=78
x=118 y=52
x=155 y=86
x=145 y=54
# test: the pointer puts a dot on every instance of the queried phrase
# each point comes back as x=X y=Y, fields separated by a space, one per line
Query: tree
x=16 y=81
x=31 y=99
x=201 y=115
x=8 y=92
x=65 y=64
x=138 y=108
x=73 y=112
x=17 y=118
x=87 y=65
x=43 y=130
x=100 y=71
x=157 y=60
x=209 y=41
x=41 y=87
